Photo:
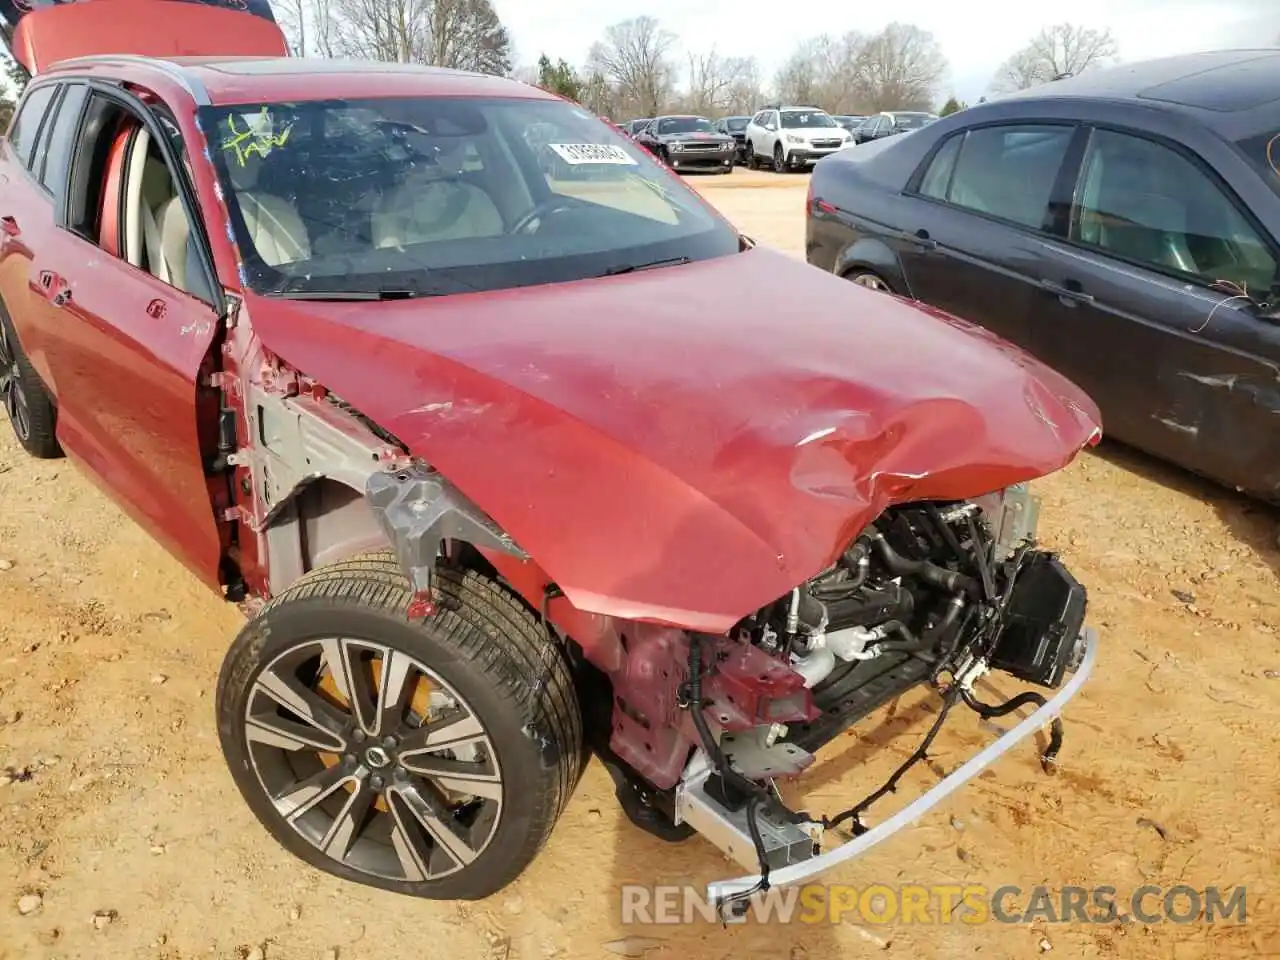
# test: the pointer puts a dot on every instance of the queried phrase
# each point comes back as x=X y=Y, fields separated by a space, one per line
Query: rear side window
x=61 y=139
x=26 y=126
x=937 y=179
x=1006 y=172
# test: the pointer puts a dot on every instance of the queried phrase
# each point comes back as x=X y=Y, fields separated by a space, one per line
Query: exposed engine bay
x=934 y=593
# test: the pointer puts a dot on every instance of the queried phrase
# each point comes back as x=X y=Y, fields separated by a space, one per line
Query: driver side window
x=1145 y=202
x=125 y=198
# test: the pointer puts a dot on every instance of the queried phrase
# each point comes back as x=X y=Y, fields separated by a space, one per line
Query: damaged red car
x=372 y=349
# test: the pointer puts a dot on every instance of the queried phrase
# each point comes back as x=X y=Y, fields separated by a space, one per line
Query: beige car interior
x=432 y=203
x=157 y=230
x=272 y=222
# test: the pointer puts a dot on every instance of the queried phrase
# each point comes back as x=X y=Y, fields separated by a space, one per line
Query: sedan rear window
x=1003 y=171
x=424 y=196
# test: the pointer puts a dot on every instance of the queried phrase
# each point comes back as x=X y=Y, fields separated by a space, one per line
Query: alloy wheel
x=779 y=161
x=373 y=759
x=871 y=282
x=11 y=392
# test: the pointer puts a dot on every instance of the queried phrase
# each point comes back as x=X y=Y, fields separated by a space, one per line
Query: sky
x=975 y=36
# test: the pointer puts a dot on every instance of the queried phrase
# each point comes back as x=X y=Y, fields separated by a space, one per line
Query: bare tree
x=746 y=89
x=721 y=84
x=324 y=29
x=899 y=68
x=292 y=17
x=393 y=30
x=599 y=97
x=467 y=35
x=635 y=57
x=463 y=34
x=801 y=78
x=1063 y=49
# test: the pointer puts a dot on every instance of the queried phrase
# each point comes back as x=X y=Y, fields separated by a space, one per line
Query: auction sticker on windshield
x=592 y=153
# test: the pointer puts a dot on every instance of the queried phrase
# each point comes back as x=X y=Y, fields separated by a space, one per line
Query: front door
x=125 y=347
x=1145 y=310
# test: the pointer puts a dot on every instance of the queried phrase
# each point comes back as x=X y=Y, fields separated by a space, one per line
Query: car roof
x=1221 y=88
x=229 y=80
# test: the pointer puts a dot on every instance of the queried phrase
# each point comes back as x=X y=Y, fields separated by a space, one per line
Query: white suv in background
x=792 y=138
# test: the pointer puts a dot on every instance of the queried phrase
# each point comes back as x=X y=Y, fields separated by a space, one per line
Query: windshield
x=684 y=125
x=423 y=196
x=805 y=118
x=911 y=121
x=736 y=123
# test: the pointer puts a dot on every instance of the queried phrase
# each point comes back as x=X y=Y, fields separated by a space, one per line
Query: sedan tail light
x=812 y=204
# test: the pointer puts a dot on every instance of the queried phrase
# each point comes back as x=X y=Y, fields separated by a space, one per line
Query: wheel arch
x=873 y=254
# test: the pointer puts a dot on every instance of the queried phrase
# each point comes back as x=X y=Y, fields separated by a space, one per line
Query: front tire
x=24 y=398
x=779 y=160
x=753 y=162
x=428 y=757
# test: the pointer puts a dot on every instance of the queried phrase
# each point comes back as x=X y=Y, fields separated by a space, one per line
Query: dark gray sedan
x=1123 y=226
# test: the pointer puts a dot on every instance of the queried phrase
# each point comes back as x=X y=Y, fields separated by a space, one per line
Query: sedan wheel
x=407 y=755
x=865 y=278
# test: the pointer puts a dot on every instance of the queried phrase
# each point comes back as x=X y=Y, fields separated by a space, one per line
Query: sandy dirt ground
x=117 y=805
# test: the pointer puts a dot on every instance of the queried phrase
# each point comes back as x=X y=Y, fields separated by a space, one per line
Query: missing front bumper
x=789 y=866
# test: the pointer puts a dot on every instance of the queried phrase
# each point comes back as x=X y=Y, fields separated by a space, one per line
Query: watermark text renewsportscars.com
x=943 y=904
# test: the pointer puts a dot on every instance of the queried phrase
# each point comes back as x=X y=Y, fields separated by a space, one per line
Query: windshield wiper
x=349 y=295
x=633 y=267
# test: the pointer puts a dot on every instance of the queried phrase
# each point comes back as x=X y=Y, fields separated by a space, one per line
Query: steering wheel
x=544 y=208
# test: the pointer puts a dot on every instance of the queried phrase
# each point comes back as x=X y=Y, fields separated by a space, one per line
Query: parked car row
x=779 y=137
x=1123 y=226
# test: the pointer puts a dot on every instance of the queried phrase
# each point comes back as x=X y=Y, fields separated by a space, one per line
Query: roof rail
x=170 y=69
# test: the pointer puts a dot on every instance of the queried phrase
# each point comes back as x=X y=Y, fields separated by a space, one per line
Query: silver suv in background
x=793 y=138
x=890 y=122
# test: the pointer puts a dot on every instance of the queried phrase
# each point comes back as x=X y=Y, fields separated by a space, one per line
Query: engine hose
x=949 y=580
x=910 y=643
x=989 y=711
x=948 y=620
x=949 y=653
x=856 y=561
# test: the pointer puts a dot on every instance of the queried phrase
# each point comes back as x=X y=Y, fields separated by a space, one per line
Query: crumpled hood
x=689 y=465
